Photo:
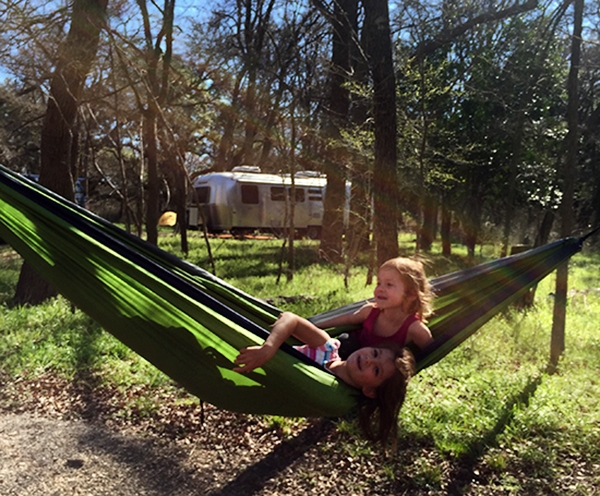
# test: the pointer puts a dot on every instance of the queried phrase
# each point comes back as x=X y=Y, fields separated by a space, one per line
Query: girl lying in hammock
x=380 y=366
x=380 y=372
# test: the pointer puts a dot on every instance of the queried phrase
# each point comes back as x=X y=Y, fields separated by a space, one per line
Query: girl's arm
x=353 y=318
x=419 y=334
x=288 y=324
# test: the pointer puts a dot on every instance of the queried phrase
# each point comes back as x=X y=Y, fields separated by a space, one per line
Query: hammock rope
x=190 y=324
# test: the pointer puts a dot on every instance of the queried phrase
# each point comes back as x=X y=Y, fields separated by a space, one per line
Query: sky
x=184 y=10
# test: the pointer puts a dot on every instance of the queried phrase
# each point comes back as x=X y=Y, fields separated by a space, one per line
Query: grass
x=489 y=409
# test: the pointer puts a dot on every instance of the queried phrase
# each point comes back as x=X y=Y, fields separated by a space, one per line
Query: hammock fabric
x=190 y=324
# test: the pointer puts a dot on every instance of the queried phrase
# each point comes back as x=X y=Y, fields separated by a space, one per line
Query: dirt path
x=59 y=438
x=48 y=456
x=42 y=456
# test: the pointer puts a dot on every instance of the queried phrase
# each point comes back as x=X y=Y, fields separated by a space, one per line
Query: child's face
x=370 y=367
x=390 y=291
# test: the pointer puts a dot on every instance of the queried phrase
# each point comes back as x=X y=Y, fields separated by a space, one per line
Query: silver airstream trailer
x=246 y=200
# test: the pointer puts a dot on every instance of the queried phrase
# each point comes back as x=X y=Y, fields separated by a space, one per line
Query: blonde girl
x=402 y=302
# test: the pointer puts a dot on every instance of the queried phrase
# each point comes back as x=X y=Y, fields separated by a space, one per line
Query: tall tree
x=343 y=37
x=157 y=85
x=252 y=37
x=58 y=140
x=378 y=47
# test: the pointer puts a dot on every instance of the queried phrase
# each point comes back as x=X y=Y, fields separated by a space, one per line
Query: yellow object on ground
x=169 y=218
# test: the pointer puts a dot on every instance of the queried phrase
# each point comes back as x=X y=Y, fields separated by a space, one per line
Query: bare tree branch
x=446 y=37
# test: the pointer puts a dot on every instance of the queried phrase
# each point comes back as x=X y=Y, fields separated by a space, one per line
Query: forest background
x=466 y=115
x=474 y=119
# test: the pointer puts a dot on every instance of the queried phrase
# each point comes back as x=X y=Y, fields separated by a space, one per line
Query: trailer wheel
x=314 y=232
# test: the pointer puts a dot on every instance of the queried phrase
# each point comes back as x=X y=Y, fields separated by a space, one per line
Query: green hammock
x=191 y=324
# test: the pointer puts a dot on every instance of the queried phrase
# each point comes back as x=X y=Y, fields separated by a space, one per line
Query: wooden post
x=557 y=345
x=559 y=317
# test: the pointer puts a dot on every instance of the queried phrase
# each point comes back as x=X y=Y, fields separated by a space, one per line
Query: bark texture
x=58 y=129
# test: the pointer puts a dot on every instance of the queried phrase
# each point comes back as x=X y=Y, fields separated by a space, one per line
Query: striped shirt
x=323 y=354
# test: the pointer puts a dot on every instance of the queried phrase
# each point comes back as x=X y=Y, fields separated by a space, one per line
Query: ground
x=64 y=438
x=61 y=439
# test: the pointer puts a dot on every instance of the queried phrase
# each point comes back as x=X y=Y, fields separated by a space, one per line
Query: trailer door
x=249 y=210
x=277 y=212
x=315 y=211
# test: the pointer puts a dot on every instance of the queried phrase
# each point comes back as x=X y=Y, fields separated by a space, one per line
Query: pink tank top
x=367 y=336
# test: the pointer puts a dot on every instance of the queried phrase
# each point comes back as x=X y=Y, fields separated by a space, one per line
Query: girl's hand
x=253 y=357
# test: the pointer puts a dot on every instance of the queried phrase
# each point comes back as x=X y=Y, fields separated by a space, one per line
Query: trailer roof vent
x=246 y=168
x=308 y=174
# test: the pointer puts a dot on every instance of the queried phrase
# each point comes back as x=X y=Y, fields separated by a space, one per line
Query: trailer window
x=249 y=194
x=315 y=194
x=277 y=194
x=203 y=193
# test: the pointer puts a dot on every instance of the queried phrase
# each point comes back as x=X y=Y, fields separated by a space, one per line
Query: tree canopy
x=442 y=116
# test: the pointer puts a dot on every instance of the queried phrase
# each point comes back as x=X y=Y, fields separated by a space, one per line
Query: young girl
x=380 y=372
x=403 y=301
x=379 y=365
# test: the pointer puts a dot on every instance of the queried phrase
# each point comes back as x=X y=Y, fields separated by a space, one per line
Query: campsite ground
x=64 y=439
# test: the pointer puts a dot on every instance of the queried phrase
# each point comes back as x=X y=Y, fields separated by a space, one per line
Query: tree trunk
x=446 y=229
x=426 y=201
x=181 y=198
x=267 y=141
x=177 y=179
x=333 y=218
x=251 y=111
x=471 y=222
x=73 y=64
x=512 y=180
x=557 y=345
x=543 y=233
x=357 y=230
x=428 y=227
x=223 y=161
x=339 y=105
x=153 y=190
x=385 y=183
x=157 y=91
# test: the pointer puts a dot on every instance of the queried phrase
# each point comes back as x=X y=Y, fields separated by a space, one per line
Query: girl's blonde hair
x=378 y=417
x=413 y=275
